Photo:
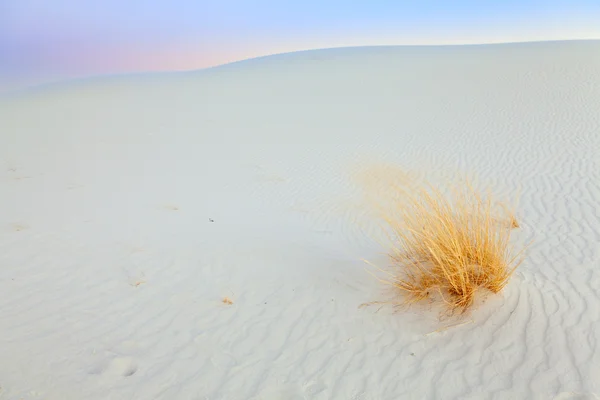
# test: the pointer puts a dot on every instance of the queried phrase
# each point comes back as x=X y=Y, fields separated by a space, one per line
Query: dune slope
x=131 y=208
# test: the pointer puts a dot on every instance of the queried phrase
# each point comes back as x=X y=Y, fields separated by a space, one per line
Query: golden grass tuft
x=447 y=245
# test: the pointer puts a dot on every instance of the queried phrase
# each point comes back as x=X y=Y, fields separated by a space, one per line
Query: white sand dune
x=131 y=207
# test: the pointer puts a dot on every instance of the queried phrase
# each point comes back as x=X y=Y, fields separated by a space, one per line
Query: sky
x=47 y=40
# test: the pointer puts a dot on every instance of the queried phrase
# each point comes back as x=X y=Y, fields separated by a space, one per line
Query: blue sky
x=72 y=38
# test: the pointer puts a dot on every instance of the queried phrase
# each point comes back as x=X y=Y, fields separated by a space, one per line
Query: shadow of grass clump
x=446 y=245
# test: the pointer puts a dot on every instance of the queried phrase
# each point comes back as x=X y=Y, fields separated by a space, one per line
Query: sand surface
x=132 y=207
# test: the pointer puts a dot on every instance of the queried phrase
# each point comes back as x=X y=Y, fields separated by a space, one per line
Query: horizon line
x=142 y=73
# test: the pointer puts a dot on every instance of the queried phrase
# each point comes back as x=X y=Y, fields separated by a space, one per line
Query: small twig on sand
x=449 y=326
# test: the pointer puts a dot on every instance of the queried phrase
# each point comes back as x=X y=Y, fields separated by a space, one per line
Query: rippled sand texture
x=199 y=235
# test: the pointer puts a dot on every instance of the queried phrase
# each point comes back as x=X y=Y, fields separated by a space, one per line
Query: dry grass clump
x=226 y=300
x=448 y=245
